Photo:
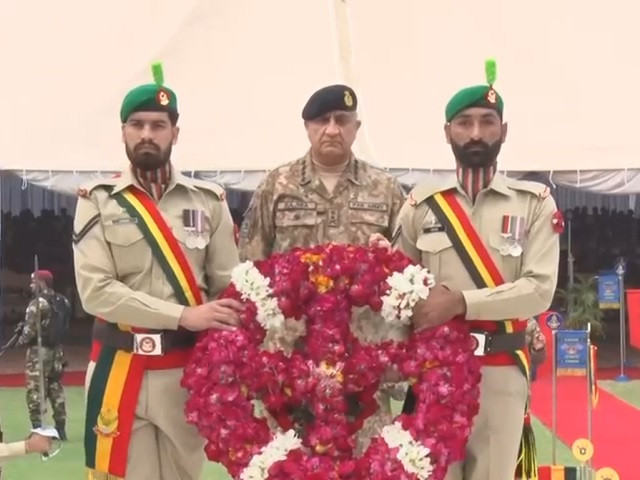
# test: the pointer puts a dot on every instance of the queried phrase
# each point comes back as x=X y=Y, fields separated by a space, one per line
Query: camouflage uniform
x=537 y=356
x=53 y=365
x=293 y=208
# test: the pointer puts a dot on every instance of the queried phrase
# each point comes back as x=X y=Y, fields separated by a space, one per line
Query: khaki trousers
x=492 y=450
x=162 y=446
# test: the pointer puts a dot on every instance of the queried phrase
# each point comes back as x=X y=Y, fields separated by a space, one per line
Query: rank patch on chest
x=124 y=221
x=333 y=218
x=375 y=206
x=433 y=229
x=296 y=205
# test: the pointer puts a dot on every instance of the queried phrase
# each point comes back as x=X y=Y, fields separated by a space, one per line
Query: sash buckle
x=480 y=343
x=147 y=344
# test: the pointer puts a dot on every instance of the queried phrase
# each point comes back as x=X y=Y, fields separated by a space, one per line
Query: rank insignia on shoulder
x=82 y=192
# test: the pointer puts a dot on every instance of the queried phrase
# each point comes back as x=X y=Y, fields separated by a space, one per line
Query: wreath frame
x=307 y=295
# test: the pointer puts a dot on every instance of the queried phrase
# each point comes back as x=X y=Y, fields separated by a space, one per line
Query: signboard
x=608 y=290
x=572 y=352
x=554 y=320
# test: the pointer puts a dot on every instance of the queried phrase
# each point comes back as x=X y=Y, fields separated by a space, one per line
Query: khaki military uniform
x=292 y=208
x=120 y=281
x=530 y=282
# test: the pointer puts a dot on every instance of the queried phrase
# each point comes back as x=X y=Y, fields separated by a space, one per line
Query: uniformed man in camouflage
x=328 y=195
x=52 y=354
x=536 y=344
x=135 y=425
x=518 y=223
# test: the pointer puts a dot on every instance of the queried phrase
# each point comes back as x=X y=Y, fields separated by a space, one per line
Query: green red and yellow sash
x=115 y=384
x=485 y=274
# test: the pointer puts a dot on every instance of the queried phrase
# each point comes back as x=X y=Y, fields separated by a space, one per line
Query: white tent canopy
x=243 y=69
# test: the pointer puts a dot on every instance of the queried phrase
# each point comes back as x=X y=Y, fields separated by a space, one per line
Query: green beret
x=150 y=97
x=329 y=99
x=477 y=96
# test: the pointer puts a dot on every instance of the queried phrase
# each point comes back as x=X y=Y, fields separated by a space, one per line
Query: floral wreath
x=295 y=355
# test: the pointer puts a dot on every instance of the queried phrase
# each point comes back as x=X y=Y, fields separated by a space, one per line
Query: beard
x=148 y=156
x=476 y=153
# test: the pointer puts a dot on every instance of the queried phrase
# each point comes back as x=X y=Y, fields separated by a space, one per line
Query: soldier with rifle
x=45 y=323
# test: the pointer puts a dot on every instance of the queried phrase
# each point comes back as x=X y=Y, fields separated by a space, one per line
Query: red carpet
x=70 y=379
x=615 y=424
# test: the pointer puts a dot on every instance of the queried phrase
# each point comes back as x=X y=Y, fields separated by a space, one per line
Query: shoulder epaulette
x=536 y=188
x=209 y=186
x=85 y=189
x=423 y=191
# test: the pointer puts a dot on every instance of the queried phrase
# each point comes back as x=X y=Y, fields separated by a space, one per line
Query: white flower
x=275 y=451
x=412 y=454
x=252 y=285
x=405 y=289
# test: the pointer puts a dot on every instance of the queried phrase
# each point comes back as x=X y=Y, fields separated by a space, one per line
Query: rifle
x=14 y=339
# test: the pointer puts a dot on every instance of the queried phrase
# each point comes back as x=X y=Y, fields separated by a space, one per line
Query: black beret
x=328 y=99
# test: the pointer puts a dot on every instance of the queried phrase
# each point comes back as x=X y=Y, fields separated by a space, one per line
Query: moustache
x=146 y=144
x=475 y=145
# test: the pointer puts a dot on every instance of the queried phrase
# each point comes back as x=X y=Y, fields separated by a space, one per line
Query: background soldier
x=55 y=312
x=328 y=195
x=536 y=344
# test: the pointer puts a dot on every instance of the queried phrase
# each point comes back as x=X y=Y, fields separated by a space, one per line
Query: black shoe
x=60 y=427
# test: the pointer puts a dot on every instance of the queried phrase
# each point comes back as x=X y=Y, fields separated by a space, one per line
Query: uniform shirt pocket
x=194 y=245
x=295 y=218
x=367 y=218
x=129 y=248
x=436 y=250
x=508 y=264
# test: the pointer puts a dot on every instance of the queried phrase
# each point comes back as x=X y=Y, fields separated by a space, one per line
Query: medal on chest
x=513 y=235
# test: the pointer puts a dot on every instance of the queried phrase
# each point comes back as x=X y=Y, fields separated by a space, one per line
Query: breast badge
x=107 y=425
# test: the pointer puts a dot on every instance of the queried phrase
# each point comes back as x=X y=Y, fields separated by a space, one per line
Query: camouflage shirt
x=30 y=329
x=292 y=208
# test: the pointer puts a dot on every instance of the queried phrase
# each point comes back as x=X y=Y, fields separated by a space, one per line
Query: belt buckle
x=480 y=343
x=147 y=344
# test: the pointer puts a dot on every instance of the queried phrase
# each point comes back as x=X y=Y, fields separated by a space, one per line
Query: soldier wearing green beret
x=152 y=249
x=492 y=244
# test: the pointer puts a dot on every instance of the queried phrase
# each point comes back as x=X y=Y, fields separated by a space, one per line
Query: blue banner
x=608 y=290
x=572 y=352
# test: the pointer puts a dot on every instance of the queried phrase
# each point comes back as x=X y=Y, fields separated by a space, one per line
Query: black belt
x=110 y=335
x=493 y=343
x=499 y=342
